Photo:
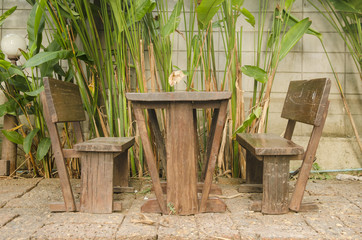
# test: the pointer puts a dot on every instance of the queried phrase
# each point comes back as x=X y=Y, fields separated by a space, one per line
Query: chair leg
x=275 y=185
x=254 y=169
x=120 y=172
x=97 y=182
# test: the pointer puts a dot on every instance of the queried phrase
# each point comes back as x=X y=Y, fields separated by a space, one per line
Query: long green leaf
x=255 y=114
x=249 y=17
x=9 y=107
x=142 y=7
x=206 y=11
x=255 y=72
x=29 y=140
x=294 y=34
x=13 y=136
x=35 y=92
x=35 y=26
x=43 y=148
x=43 y=57
x=6 y=14
x=5 y=64
x=173 y=21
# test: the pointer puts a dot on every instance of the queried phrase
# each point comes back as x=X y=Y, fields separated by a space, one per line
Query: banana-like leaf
x=352 y=6
x=35 y=26
x=35 y=92
x=142 y=7
x=4 y=64
x=249 y=17
x=292 y=20
x=173 y=21
x=206 y=11
x=9 y=107
x=255 y=72
x=29 y=140
x=13 y=136
x=288 y=4
x=43 y=57
x=291 y=38
x=6 y=14
x=249 y=120
x=43 y=148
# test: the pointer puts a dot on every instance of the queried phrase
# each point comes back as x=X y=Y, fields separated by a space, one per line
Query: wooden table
x=181 y=148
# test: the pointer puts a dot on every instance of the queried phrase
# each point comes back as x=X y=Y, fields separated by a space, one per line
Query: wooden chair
x=103 y=160
x=268 y=155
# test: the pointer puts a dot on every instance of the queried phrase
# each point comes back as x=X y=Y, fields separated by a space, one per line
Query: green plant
x=345 y=17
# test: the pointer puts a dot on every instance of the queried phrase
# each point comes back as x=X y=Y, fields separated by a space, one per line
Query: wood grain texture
x=97 y=182
x=221 y=118
x=254 y=169
x=275 y=185
x=150 y=159
x=179 y=96
x=262 y=144
x=216 y=190
x=159 y=139
x=307 y=163
x=67 y=192
x=105 y=144
x=64 y=101
x=181 y=158
x=306 y=100
x=121 y=170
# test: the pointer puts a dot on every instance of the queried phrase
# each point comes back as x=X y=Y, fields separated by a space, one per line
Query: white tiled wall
x=306 y=60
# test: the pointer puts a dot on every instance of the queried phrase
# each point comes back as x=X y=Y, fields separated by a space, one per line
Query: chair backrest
x=64 y=101
x=307 y=100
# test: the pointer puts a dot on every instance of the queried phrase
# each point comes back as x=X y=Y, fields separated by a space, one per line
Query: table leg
x=181 y=160
x=210 y=138
x=151 y=162
x=221 y=118
x=160 y=143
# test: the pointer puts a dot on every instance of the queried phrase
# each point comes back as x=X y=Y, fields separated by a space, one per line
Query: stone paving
x=24 y=214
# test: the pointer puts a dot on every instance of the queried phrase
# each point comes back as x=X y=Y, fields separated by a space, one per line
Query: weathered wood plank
x=71 y=153
x=97 y=182
x=121 y=170
x=59 y=158
x=263 y=144
x=254 y=169
x=181 y=159
x=216 y=190
x=159 y=139
x=306 y=100
x=178 y=96
x=150 y=159
x=303 y=176
x=105 y=144
x=221 y=118
x=60 y=110
x=275 y=185
x=4 y=167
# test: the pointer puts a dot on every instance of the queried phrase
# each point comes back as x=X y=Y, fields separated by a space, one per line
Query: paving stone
x=47 y=191
x=353 y=222
x=23 y=226
x=6 y=217
x=256 y=225
x=330 y=227
x=76 y=231
x=216 y=226
x=177 y=227
x=78 y=217
x=132 y=229
x=332 y=205
x=10 y=188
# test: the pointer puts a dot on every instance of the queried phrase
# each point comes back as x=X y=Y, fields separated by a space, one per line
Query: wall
x=306 y=60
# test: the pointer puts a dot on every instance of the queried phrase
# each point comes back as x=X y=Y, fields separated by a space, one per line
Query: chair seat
x=261 y=144
x=105 y=144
